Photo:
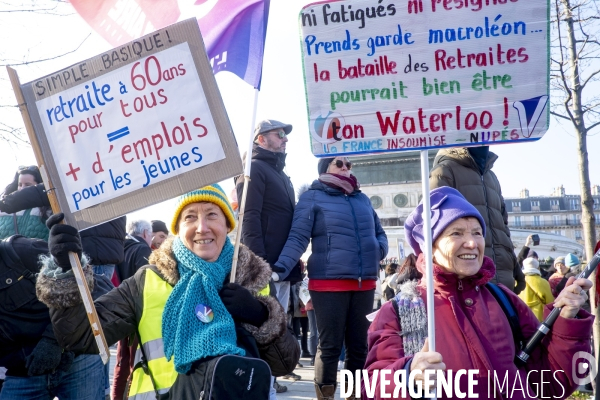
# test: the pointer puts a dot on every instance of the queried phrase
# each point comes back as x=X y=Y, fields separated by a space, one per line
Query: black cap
x=159 y=226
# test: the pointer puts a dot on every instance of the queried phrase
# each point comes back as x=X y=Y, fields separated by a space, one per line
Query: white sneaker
x=340 y=365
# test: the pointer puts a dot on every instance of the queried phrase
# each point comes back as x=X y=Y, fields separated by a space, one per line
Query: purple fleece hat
x=447 y=205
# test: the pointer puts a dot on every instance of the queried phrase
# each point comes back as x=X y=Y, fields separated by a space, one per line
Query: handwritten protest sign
x=136 y=125
x=384 y=76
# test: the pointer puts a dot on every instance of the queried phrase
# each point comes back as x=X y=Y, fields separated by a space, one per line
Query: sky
x=26 y=36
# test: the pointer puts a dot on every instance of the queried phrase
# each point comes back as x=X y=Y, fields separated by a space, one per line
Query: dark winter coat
x=26 y=198
x=104 y=243
x=456 y=168
x=478 y=336
x=136 y=255
x=269 y=208
x=347 y=238
x=24 y=320
x=120 y=310
x=24 y=212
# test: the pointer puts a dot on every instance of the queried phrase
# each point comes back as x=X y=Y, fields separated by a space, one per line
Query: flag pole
x=242 y=201
x=428 y=250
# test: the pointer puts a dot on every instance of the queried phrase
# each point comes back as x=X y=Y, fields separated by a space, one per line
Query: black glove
x=63 y=239
x=66 y=360
x=242 y=305
x=45 y=357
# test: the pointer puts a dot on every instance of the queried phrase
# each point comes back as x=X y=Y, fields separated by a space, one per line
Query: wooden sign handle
x=86 y=296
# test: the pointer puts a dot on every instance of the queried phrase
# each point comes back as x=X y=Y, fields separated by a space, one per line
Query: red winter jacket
x=479 y=336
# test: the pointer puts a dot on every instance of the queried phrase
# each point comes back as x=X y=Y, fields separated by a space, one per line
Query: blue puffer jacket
x=347 y=239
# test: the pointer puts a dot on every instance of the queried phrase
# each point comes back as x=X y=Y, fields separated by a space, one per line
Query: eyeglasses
x=340 y=164
x=280 y=133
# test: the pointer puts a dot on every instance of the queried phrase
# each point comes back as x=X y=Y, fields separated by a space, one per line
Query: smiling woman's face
x=460 y=248
x=203 y=229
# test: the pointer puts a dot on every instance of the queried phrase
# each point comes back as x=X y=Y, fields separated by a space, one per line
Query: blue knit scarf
x=184 y=335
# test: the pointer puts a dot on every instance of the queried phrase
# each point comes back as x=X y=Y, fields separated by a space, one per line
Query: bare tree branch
x=559 y=116
x=49 y=58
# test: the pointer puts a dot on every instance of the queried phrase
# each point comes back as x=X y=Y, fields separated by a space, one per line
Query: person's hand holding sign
x=62 y=240
x=426 y=360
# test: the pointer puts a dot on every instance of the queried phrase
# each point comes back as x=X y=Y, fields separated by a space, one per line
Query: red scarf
x=342 y=183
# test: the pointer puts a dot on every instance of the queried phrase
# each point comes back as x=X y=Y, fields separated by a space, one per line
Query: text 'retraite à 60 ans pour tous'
x=138 y=124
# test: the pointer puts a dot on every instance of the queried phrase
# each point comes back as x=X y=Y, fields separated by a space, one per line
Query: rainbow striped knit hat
x=210 y=194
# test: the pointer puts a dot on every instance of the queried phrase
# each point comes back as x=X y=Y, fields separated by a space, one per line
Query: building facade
x=559 y=213
x=393 y=184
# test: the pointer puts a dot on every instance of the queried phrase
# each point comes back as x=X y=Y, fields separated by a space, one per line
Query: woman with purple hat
x=472 y=332
x=348 y=243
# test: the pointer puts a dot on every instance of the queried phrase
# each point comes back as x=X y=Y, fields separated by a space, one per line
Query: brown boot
x=325 y=392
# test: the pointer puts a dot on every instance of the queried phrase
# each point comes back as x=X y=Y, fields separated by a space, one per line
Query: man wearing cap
x=159 y=233
x=270 y=204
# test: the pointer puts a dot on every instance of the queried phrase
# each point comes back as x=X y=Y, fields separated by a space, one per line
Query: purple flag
x=233 y=30
x=234 y=33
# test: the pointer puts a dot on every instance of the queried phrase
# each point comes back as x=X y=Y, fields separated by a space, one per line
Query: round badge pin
x=204 y=313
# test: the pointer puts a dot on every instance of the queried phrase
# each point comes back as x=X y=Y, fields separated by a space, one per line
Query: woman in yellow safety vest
x=181 y=305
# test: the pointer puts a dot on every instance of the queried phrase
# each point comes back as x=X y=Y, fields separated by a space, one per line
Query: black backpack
x=215 y=378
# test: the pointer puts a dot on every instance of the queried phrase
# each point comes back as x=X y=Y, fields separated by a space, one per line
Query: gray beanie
x=324 y=164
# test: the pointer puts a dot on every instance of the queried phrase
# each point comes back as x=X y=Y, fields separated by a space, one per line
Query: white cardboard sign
x=385 y=76
x=136 y=125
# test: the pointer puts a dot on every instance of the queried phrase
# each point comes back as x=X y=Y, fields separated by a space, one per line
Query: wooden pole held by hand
x=242 y=201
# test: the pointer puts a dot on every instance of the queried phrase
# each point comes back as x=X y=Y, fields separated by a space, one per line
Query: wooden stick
x=86 y=296
x=242 y=201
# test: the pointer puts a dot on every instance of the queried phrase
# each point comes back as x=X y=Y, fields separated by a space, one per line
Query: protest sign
x=304 y=293
x=136 y=125
x=385 y=76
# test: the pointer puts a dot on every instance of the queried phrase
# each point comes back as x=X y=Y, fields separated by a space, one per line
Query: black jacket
x=24 y=199
x=269 y=208
x=104 y=243
x=137 y=252
x=24 y=320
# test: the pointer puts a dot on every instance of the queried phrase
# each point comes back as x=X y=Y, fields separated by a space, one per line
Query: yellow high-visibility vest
x=156 y=293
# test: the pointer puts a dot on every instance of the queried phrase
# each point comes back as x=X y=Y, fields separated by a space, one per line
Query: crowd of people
x=166 y=296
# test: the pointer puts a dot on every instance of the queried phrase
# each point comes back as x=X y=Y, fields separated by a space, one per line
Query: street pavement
x=304 y=389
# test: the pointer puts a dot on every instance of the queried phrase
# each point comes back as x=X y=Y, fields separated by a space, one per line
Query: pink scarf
x=340 y=182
